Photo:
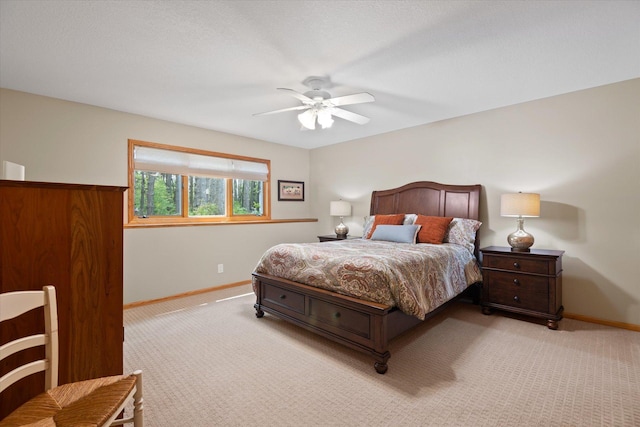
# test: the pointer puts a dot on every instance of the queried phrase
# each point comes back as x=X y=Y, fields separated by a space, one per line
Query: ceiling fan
x=320 y=106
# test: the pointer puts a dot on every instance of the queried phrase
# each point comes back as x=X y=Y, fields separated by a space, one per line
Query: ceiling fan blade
x=299 y=107
x=356 y=98
x=298 y=95
x=348 y=115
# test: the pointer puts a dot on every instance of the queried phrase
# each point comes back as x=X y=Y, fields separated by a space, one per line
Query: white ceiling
x=213 y=64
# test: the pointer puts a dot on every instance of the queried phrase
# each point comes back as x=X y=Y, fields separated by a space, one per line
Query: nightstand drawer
x=522 y=265
x=521 y=291
x=279 y=298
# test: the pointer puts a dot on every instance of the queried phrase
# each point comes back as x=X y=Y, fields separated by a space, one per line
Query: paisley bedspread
x=417 y=278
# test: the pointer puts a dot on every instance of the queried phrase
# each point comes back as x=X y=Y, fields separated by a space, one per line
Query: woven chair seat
x=87 y=403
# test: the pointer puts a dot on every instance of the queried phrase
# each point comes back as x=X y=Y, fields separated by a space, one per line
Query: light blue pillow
x=369 y=220
x=396 y=233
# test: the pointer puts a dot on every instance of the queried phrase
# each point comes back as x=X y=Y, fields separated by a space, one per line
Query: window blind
x=180 y=163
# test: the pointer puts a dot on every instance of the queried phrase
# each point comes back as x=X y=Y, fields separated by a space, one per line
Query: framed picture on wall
x=291 y=191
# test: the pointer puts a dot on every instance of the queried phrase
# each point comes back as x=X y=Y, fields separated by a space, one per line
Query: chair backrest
x=13 y=304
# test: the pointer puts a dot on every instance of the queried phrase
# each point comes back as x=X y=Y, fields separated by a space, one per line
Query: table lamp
x=520 y=205
x=341 y=209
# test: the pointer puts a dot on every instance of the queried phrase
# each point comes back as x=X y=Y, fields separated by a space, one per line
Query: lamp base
x=342 y=230
x=520 y=240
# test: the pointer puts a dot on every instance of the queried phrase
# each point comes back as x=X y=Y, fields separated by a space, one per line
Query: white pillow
x=396 y=233
x=368 y=223
x=409 y=219
x=462 y=231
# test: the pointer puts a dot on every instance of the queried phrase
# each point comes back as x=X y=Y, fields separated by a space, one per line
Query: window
x=170 y=184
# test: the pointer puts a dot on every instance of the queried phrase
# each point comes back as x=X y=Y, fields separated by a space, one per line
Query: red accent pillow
x=433 y=228
x=394 y=219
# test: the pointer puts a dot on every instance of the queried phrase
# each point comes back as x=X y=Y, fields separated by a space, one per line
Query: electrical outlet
x=220 y=268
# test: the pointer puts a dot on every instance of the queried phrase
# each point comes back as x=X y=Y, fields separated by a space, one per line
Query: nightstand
x=528 y=283
x=332 y=237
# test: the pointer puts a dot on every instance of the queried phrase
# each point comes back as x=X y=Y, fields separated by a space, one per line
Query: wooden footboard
x=362 y=325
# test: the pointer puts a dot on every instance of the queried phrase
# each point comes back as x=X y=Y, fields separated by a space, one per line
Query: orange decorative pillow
x=433 y=228
x=394 y=219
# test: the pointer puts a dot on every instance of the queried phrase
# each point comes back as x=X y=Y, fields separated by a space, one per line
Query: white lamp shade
x=324 y=118
x=340 y=208
x=520 y=204
x=308 y=119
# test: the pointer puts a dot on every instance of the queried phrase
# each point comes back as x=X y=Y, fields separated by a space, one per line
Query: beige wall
x=580 y=151
x=61 y=141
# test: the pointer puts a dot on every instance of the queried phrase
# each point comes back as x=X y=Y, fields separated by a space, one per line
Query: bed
x=290 y=288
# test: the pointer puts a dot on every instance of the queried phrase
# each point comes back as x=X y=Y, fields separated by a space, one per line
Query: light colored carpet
x=213 y=363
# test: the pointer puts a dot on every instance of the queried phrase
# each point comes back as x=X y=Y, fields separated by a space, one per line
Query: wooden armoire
x=69 y=236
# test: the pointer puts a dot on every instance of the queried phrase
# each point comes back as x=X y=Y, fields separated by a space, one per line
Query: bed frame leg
x=381 y=361
x=259 y=312
x=381 y=367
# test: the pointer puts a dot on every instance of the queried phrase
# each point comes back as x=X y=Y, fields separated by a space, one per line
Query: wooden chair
x=95 y=402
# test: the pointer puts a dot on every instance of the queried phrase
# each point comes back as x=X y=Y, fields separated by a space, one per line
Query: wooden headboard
x=428 y=198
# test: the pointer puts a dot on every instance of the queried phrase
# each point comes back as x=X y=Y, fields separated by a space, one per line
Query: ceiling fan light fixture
x=308 y=119
x=320 y=107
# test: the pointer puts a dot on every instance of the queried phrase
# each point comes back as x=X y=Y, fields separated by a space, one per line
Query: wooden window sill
x=141 y=223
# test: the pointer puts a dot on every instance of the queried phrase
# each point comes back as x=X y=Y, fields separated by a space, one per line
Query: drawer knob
x=516 y=281
x=516 y=298
x=516 y=265
x=283 y=296
x=336 y=314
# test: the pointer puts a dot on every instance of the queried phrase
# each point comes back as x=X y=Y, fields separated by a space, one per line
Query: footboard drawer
x=280 y=298
x=343 y=318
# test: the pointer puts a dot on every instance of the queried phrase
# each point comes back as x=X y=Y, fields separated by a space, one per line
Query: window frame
x=184 y=218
